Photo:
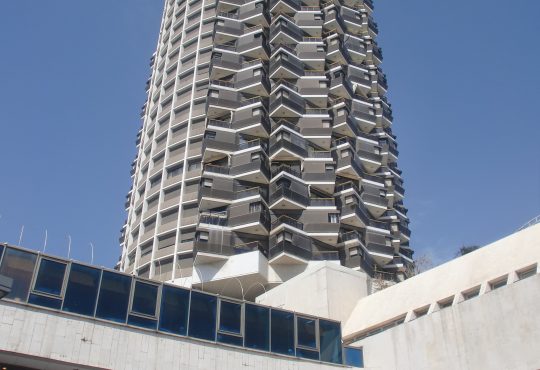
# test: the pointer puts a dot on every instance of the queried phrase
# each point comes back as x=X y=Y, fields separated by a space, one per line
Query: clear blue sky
x=464 y=83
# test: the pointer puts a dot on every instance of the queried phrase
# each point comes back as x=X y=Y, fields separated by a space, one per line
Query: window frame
x=64 y=279
x=226 y=333
x=317 y=339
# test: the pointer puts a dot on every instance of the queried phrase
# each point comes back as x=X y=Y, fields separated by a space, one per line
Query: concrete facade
x=48 y=340
x=500 y=261
x=327 y=284
x=499 y=330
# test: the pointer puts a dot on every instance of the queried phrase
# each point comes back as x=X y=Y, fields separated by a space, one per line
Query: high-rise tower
x=266 y=144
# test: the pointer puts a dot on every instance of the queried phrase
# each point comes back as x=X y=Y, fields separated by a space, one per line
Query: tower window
x=333 y=218
x=255 y=207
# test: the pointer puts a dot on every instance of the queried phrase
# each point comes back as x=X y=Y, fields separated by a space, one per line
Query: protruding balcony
x=284 y=7
x=324 y=232
x=229 y=5
x=257 y=223
x=256 y=48
x=256 y=171
x=285 y=65
x=356 y=49
x=214 y=198
x=370 y=161
x=221 y=68
x=335 y=52
x=286 y=222
x=376 y=205
x=360 y=80
x=254 y=16
x=354 y=215
x=285 y=198
x=366 y=121
x=381 y=253
x=257 y=126
x=284 y=105
x=287 y=146
x=212 y=252
x=349 y=167
x=288 y=253
x=255 y=85
x=351 y=239
x=217 y=149
x=340 y=86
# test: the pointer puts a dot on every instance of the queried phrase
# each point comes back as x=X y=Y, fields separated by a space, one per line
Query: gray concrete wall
x=497 y=330
x=26 y=332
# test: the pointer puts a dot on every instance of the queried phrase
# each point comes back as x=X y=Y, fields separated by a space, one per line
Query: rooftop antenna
x=45 y=242
x=21 y=235
x=92 y=249
x=69 y=245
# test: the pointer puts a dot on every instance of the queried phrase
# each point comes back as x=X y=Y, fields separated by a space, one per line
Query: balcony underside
x=349 y=172
x=253 y=176
x=354 y=220
x=285 y=203
x=211 y=155
x=255 y=228
x=285 y=155
x=285 y=258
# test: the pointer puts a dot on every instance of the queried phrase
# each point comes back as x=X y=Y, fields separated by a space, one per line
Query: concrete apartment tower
x=266 y=145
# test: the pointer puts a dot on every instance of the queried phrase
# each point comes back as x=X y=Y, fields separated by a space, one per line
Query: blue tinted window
x=282 y=332
x=81 y=290
x=41 y=300
x=307 y=353
x=142 y=322
x=144 y=298
x=1 y=251
x=230 y=339
x=18 y=265
x=354 y=357
x=50 y=277
x=113 y=297
x=306 y=328
x=330 y=341
x=202 y=316
x=257 y=331
x=230 y=317
x=173 y=315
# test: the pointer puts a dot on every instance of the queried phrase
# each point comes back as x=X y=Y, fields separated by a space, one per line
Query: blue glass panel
x=330 y=341
x=81 y=290
x=257 y=327
x=18 y=265
x=202 y=316
x=40 y=300
x=173 y=316
x=306 y=332
x=144 y=298
x=282 y=332
x=230 y=317
x=354 y=357
x=306 y=353
x=50 y=277
x=1 y=251
x=113 y=297
x=142 y=322
x=230 y=339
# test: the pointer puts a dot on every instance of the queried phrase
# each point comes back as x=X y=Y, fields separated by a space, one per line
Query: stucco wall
x=50 y=335
x=324 y=289
x=497 y=330
x=503 y=257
